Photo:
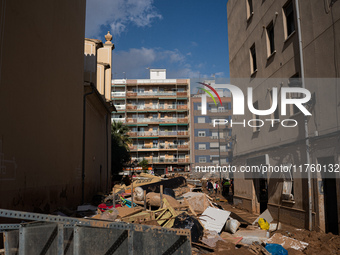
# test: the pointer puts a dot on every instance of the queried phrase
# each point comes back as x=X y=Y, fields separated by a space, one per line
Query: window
x=201 y=146
x=213 y=145
x=202 y=159
x=294 y=81
x=201 y=133
x=250 y=10
x=253 y=65
x=270 y=39
x=275 y=114
x=201 y=120
x=288 y=11
x=257 y=117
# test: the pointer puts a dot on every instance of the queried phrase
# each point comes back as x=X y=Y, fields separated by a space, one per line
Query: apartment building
x=157 y=113
x=210 y=146
x=265 y=52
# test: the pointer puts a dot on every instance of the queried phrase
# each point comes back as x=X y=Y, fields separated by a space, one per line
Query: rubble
x=232 y=225
x=188 y=222
x=211 y=227
x=154 y=199
x=214 y=219
x=198 y=201
x=265 y=215
x=250 y=236
x=287 y=242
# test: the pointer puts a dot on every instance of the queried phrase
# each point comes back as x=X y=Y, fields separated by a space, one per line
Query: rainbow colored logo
x=209 y=93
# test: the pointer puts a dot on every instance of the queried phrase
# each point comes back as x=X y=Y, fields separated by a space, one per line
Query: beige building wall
x=97 y=143
x=41 y=95
x=320 y=29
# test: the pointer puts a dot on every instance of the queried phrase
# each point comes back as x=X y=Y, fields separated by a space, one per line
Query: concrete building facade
x=42 y=109
x=210 y=146
x=157 y=113
x=264 y=53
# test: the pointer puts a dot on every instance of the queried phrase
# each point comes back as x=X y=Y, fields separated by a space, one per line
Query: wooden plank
x=126 y=211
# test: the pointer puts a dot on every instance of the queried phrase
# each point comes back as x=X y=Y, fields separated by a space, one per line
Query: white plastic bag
x=232 y=225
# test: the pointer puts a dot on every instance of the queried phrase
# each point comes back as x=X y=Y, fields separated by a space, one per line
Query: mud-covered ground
x=319 y=243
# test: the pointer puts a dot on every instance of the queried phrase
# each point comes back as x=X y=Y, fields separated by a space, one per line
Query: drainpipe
x=83 y=149
x=310 y=206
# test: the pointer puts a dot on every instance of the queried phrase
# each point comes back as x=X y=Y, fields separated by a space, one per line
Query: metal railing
x=118 y=120
x=55 y=234
x=118 y=94
x=160 y=120
x=120 y=107
x=158 y=133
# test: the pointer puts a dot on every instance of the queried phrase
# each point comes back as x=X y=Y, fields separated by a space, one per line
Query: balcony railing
x=158 y=133
x=182 y=107
x=183 y=146
x=159 y=147
x=162 y=160
x=131 y=107
x=120 y=107
x=158 y=120
x=156 y=107
x=118 y=120
x=118 y=94
x=151 y=93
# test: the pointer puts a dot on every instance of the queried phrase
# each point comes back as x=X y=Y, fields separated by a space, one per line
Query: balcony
x=143 y=147
x=118 y=94
x=156 y=107
x=120 y=107
x=118 y=120
x=158 y=133
x=157 y=120
x=131 y=94
x=143 y=133
x=183 y=146
x=131 y=107
x=151 y=93
x=182 y=107
x=172 y=160
x=182 y=94
x=173 y=133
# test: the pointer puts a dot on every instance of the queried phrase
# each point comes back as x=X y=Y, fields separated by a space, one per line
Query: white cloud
x=221 y=74
x=118 y=14
x=135 y=62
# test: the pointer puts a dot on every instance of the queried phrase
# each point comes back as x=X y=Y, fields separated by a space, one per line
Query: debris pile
x=181 y=203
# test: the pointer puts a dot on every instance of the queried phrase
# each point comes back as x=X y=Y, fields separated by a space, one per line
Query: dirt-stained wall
x=41 y=97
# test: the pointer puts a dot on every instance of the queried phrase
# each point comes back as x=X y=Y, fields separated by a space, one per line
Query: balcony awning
x=182 y=98
x=139 y=125
x=170 y=97
x=143 y=137
x=166 y=124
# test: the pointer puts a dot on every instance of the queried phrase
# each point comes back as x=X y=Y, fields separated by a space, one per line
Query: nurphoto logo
x=239 y=100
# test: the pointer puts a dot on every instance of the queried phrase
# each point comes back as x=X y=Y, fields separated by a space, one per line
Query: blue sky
x=187 y=37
